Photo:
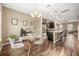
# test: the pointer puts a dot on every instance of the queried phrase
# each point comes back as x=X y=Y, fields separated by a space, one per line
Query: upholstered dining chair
x=15 y=45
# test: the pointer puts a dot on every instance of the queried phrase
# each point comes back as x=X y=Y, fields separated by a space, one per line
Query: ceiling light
x=39 y=15
x=61 y=26
x=56 y=16
x=32 y=15
x=35 y=13
x=51 y=13
x=48 y=6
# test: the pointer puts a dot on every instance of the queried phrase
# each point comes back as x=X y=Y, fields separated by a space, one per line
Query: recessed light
x=32 y=14
x=48 y=6
x=39 y=15
x=36 y=13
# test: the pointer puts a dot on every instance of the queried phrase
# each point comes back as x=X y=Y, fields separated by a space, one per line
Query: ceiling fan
x=58 y=13
x=66 y=10
x=63 y=11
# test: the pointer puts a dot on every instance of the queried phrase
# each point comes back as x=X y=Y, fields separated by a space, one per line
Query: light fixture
x=36 y=14
x=32 y=14
x=56 y=16
x=39 y=15
x=60 y=26
x=48 y=6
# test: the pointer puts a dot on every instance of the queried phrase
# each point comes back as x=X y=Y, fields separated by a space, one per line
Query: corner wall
x=8 y=28
x=0 y=21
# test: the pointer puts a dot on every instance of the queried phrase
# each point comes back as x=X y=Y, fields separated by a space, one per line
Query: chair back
x=50 y=36
x=12 y=42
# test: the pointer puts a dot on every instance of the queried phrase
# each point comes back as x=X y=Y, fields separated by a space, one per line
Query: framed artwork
x=25 y=22
x=70 y=26
x=14 y=21
x=31 y=23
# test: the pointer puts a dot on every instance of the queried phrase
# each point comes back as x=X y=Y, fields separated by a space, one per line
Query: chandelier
x=36 y=14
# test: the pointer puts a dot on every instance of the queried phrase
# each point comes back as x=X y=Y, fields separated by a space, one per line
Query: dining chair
x=15 y=45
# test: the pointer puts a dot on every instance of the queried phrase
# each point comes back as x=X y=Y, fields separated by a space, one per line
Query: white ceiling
x=51 y=11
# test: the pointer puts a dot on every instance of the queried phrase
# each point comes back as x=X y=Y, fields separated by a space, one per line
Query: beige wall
x=0 y=19
x=7 y=27
x=75 y=25
x=78 y=28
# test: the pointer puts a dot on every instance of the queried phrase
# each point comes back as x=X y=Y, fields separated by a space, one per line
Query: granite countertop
x=73 y=32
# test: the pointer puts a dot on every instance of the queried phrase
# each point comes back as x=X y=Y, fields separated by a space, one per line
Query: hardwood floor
x=8 y=51
x=47 y=49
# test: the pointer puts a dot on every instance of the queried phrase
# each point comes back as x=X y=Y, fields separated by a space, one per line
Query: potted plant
x=12 y=38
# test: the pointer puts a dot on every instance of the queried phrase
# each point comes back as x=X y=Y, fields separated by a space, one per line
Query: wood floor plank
x=46 y=50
